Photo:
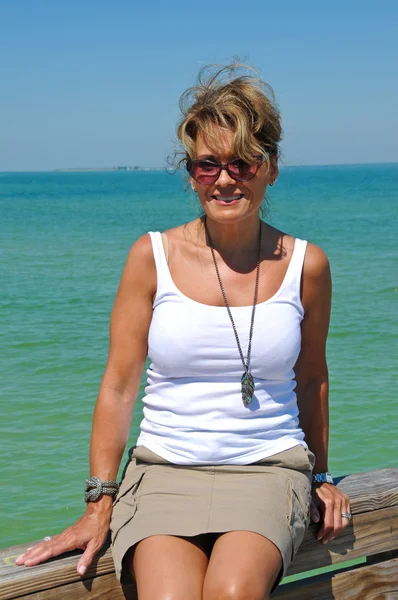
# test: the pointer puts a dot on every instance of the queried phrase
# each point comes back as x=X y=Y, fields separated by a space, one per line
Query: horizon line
x=141 y=169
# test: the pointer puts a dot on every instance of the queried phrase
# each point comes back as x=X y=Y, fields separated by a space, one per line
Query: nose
x=224 y=178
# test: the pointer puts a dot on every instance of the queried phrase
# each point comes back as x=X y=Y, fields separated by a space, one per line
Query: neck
x=234 y=238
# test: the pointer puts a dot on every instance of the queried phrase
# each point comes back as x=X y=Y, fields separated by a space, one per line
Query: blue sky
x=97 y=83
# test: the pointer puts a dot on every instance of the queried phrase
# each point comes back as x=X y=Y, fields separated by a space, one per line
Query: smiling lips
x=227 y=199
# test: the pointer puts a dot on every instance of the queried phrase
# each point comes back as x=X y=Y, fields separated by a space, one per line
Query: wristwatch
x=322 y=478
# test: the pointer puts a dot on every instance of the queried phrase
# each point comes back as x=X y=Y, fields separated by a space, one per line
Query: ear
x=273 y=171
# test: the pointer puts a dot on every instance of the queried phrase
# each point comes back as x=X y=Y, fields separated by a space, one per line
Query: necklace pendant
x=247 y=383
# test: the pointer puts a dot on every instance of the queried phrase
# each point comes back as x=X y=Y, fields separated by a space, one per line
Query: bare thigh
x=170 y=567
x=243 y=566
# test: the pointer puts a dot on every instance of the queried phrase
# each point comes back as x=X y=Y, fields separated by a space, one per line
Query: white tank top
x=193 y=409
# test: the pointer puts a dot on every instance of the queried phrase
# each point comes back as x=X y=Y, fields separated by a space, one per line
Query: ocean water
x=64 y=238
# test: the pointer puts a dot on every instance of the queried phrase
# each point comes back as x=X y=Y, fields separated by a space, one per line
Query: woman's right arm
x=130 y=321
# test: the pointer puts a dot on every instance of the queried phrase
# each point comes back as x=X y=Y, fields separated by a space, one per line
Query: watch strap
x=322 y=478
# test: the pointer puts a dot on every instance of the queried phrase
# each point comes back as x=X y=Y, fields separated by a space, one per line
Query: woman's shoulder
x=315 y=259
x=316 y=279
x=141 y=249
x=140 y=263
x=278 y=244
x=184 y=232
x=141 y=254
x=183 y=239
x=316 y=262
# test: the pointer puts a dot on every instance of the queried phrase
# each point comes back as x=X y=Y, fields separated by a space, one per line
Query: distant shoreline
x=164 y=168
x=121 y=168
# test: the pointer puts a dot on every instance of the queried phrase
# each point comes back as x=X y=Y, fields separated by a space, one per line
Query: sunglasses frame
x=222 y=167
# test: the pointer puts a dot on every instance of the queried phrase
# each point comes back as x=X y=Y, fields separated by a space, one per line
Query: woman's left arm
x=312 y=390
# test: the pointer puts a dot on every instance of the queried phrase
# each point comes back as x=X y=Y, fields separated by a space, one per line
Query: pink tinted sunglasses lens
x=241 y=170
x=206 y=172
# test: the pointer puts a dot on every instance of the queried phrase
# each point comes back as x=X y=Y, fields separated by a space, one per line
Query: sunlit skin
x=235 y=225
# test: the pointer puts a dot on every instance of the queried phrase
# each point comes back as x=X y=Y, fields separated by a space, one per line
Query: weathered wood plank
x=105 y=587
x=372 y=490
x=360 y=583
x=20 y=581
x=99 y=588
x=368 y=533
x=8 y=556
x=365 y=583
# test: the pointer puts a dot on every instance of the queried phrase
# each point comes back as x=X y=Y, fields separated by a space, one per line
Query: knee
x=234 y=590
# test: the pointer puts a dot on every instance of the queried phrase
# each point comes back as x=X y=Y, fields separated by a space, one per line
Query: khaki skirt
x=270 y=497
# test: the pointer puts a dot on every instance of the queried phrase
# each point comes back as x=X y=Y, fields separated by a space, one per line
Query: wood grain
x=19 y=581
x=360 y=583
x=105 y=587
x=372 y=490
x=369 y=533
x=102 y=564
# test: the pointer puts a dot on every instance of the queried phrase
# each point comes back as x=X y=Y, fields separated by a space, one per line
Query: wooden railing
x=372 y=535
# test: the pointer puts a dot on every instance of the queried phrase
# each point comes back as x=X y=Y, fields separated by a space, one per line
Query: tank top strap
x=292 y=285
x=162 y=268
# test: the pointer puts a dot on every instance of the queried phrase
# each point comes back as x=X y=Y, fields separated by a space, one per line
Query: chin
x=233 y=212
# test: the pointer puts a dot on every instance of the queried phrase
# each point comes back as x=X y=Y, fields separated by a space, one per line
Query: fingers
x=346 y=508
x=314 y=513
x=333 y=503
x=45 y=550
x=327 y=522
x=88 y=534
x=88 y=555
x=336 y=525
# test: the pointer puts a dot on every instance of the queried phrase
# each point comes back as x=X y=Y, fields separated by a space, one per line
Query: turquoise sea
x=64 y=238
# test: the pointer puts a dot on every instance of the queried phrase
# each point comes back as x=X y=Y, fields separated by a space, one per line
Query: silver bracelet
x=95 y=488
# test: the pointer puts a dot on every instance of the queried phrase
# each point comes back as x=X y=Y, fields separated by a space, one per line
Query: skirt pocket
x=300 y=514
x=125 y=503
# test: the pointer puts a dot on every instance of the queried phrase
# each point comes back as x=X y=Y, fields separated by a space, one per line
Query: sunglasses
x=207 y=171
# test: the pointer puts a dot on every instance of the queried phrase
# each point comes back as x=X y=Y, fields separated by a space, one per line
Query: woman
x=234 y=316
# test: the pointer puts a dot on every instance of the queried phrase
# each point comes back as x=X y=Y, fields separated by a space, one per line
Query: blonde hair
x=233 y=97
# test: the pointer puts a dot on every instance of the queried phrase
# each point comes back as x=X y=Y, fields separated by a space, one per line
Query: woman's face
x=227 y=200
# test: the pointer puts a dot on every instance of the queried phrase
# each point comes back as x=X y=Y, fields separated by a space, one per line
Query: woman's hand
x=88 y=533
x=328 y=504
